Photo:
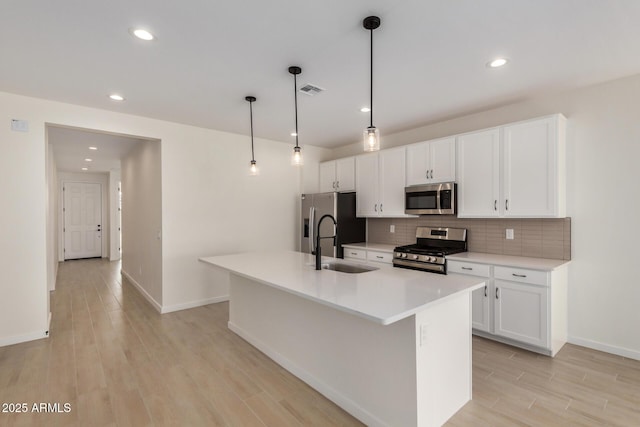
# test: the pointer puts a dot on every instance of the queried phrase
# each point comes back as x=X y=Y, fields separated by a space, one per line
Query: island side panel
x=444 y=359
x=366 y=368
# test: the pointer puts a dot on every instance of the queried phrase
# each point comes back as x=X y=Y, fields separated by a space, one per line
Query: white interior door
x=82 y=220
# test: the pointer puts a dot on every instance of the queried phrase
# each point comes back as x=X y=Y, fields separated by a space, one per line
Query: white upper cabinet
x=479 y=174
x=380 y=182
x=515 y=170
x=431 y=161
x=367 y=185
x=338 y=175
x=534 y=181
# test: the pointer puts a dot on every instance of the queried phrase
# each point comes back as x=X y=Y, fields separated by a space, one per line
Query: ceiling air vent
x=310 y=89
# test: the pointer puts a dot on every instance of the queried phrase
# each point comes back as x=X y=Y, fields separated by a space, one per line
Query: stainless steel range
x=431 y=250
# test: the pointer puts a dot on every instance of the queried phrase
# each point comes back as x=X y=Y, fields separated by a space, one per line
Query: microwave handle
x=312 y=220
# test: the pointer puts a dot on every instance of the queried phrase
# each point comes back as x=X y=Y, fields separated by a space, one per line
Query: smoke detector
x=311 y=89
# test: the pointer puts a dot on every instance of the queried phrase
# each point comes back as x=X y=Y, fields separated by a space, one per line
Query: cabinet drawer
x=521 y=275
x=380 y=257
x=355 y=253
x=469 y=268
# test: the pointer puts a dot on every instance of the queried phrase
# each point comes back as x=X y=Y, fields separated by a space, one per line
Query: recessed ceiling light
x=88 y=160
x=93 y=148
x=294 y=134
x=365 y=109
x=142 y=34
x=85 y=169
x=116 y=97
x=498 y=62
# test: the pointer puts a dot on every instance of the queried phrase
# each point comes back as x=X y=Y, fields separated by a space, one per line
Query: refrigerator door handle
x=312 y=221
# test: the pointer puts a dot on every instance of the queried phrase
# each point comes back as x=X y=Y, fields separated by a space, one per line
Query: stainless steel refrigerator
x=343 y=208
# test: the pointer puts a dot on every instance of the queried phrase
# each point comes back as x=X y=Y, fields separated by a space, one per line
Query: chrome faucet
x=335 y=234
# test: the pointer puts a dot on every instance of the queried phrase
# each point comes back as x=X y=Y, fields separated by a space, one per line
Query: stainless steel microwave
x=430 y=199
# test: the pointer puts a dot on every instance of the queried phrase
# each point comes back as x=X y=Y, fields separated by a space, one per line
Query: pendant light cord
x=295 y=97
x=371 y=80
x=253 y=158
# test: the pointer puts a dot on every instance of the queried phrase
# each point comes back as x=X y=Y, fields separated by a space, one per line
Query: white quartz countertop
x=382 y=247
x=509 y=261
x=383 y=296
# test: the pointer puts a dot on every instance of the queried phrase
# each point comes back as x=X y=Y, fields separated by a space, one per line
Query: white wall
x=212 y=206
x=23 y=238
x=88 y=177
x=114 y=235
x=142 y=220
x=603 y=148
x=53 y=216
x=209 y=205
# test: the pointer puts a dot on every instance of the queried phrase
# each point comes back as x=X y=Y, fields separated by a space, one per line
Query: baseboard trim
x=330 y=393
x=607 y=348
x=193 y=304
x=142 y=291
x=17 y=339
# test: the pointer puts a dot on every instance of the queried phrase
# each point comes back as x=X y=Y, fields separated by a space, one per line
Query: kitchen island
x=390 y=346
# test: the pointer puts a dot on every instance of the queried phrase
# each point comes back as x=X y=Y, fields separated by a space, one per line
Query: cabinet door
x=480 y=314
x=418 y=163
x=442 y=155
x=327 y=176
x=520 y=312
x=530 y=161
x=392 y=182
x=479 y=174
x=346 y=174
x=367 y=185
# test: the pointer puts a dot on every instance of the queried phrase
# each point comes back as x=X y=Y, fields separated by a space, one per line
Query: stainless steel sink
x=347 y=268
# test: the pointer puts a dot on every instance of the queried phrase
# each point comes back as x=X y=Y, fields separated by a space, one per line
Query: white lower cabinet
x=480 y=298
x=523 y=307
x=520 y=312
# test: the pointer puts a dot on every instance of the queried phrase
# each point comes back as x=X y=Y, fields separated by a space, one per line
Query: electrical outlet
x=392 y=228
x=509 y=235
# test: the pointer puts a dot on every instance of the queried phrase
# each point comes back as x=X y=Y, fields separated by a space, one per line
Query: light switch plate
x=509 y=235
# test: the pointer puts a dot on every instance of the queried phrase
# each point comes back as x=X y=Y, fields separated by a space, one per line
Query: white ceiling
x=429 y=57
x=71 y=148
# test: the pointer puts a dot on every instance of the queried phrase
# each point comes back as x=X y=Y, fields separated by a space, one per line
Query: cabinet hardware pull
x=380 y=207
x=354 y=253
x=375 y=207
x=518 y=275
x=379 y=257
x=467 y=268
x=497 y=294
x=485 y=291
x=506 y=205
x=426 y=174
x=431 y=173
x=337 y=184
x=333 y=185
x=495 y=205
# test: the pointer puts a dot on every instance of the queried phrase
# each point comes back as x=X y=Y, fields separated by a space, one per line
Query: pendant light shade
x=296 y=158
x=253 y=166
x=371 y=133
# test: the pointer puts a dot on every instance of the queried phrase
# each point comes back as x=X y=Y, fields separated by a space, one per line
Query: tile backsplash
x=540 y=238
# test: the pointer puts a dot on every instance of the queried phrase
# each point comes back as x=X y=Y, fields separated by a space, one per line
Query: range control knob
x=404 y=255
x=414 y=256
x=433 y=259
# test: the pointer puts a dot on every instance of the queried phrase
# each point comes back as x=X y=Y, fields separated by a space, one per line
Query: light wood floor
x=118 y=362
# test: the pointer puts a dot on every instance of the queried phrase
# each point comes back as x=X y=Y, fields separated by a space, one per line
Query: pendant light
x=253 y=167
x=296 y=159
x=371 y=133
